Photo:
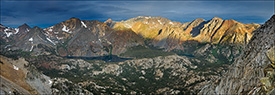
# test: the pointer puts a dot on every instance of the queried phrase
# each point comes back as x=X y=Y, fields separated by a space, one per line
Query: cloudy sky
x=48 y=13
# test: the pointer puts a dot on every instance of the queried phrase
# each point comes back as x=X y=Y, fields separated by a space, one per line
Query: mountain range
x=168 y=34
x=142 y=55
x=76 y=37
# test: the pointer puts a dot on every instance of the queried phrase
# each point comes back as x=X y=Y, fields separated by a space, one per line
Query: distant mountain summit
x=23 y=29
x=110 y=22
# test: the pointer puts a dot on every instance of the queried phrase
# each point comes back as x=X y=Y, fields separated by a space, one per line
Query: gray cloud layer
x=47 y=13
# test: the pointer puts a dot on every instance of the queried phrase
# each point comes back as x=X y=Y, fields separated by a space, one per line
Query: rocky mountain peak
x=73 y=19
x=24 y=25
x=22 y=29
x=270 y=23
x=109 y=20
x=216 y=18
x=233 y=21
x=214 y=21
x=197 y=21
x=36 y=28
x=161 y=20
x=72 y=22
x=36 y=31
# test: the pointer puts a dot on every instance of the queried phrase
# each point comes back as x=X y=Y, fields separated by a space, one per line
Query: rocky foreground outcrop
x=18 y=76
x=252 y=72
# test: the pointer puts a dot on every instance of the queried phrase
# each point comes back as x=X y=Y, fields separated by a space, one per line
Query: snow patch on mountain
x=47 y=33
x=65 y=29
x=147 y=17
x=15 y=67
x=171 y=23
x=6 y=30
x=59 y=38
x=8 y=34
x=159 y=22
x=127 y=25
x=11 y=31
x=17 y=30
x=50 y=82
x=83 y=24
x=50 y=41
x=55 y=32
x=50 y=30
x=31 y=48
x=31 y=39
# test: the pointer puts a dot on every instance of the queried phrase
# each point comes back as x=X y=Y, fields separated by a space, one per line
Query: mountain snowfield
x=142 y=55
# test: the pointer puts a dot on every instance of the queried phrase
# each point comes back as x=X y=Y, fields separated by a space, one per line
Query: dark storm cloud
x=47 y=13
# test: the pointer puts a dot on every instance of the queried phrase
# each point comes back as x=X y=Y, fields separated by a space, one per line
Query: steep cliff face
x=245 y=74
x=110 y=23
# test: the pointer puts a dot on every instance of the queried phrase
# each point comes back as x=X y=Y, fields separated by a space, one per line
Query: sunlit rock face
x=170 y=34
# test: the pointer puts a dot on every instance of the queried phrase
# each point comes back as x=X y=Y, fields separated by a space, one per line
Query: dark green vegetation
x=211 y=53
x=15 y=54
x=189 y=47
x=144 y=52
x=107 y=58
